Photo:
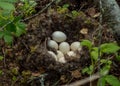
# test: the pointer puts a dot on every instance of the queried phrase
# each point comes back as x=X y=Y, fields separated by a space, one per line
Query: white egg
x=71 y=54
x=59 y=36
x=64 y=47
x=62 y=60
x=53 y=55
x=52 y=44
x=59 y=54
x=75 y=46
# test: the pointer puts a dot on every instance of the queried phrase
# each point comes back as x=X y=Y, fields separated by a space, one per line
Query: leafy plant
x=28 y=7
x=10 y=25
x=109 y=48
x=112 y=80
x=63 y=9
x=106 y=48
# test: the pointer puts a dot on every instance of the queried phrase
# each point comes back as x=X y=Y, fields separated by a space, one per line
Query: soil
x=27 y=62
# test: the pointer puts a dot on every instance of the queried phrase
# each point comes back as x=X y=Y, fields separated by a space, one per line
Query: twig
x=37 y=77
x=100 y=36
x=39 y=11
x=4 y=57
x=85 y=81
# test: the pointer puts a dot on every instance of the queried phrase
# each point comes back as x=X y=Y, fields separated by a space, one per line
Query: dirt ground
x=27 y=63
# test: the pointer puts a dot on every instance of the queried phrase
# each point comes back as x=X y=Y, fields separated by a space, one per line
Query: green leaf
x=112 y=80
x=7 y=6
x=75 y=13
x=11 y=27
x=94 y=53
x=32 y=3
x=20 y=28
x=14 y=78
x=11 y=1
x=21 y=25
x=8 y=39
x=118 y=57
x=87 y=43
x=66 y=5
x=1 y=34
x=106 y=61
x=91 y=68
x=85 y=70
x=109 y=48
x=101 y=81
x=88 y=70
x=6 y=15
x=1 y=58
x=17 y=19
x=3 y=22
x=105 y=70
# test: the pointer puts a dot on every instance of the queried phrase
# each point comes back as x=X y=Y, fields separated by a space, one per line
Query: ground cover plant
x=26 y=26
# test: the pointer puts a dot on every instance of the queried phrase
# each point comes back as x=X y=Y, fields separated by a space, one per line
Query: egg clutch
x=63 y=48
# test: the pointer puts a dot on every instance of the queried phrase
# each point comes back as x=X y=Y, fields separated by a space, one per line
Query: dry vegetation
x=27 y=63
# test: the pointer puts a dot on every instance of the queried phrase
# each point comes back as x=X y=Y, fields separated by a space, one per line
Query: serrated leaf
x=101 y=81
x=87 y=43
x=8 y=39
x=6 y=6
x=109 y=48
x=112 y=80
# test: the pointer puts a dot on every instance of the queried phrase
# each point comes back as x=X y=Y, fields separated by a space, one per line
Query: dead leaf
x=91 y=11
x=84 y=31
x=96 y=15
x=63 y=78
x=76 y=74
x=35 y=74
